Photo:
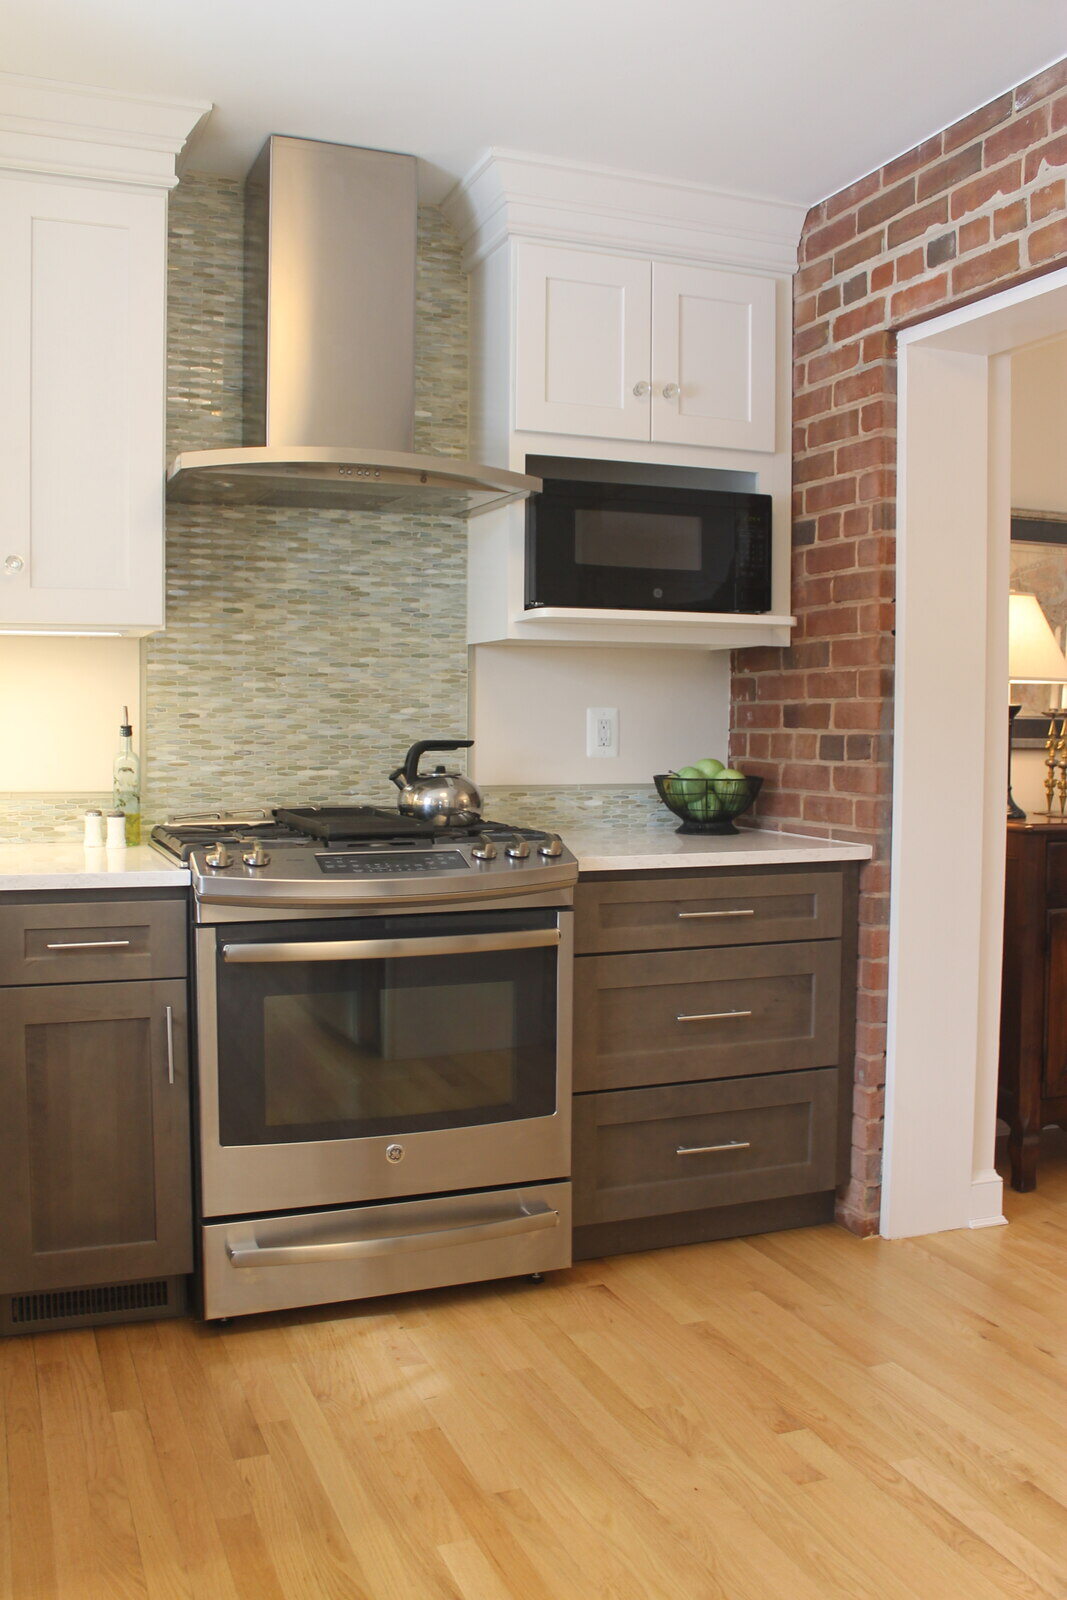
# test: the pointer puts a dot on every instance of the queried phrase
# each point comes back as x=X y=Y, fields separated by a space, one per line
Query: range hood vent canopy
x=329 y=347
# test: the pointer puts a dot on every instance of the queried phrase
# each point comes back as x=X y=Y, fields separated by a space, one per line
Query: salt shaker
x=94 y=830
x=116 y=830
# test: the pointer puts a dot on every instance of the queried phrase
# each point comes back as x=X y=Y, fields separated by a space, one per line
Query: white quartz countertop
x=610 y=847
x=71 y=866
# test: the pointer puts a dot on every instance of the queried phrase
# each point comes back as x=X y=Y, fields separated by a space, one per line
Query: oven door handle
x=532 y=1219
x=390 y=949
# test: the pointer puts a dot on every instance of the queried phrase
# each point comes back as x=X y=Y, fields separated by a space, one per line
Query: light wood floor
x=795 y=1417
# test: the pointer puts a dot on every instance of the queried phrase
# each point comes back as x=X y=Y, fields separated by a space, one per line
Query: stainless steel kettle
x=439 y=797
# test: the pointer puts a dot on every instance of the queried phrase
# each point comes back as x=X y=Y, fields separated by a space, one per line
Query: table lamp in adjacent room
x=1033 y=657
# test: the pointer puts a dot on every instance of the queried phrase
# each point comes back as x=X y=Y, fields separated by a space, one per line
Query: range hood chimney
x=329 y=347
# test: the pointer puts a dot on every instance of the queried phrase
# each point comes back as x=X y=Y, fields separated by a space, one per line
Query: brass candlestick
x=1051 y=740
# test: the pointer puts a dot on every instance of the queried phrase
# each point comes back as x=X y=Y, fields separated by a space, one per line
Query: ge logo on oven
x=394 y=1152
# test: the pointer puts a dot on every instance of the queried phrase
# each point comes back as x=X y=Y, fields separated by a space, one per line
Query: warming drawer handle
x=709 y=1016
x=91 y=944
x=390 y=949
x=707 y=1149
x=533 y=1220
x=747 y=911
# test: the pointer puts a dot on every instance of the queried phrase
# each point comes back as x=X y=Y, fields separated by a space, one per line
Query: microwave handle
x=390 y=949
x=528 y=1219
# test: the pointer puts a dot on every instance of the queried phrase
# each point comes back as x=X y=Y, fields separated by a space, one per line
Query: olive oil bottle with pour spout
x=127 y=781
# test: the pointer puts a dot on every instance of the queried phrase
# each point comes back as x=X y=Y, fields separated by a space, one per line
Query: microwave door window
x=646 y=541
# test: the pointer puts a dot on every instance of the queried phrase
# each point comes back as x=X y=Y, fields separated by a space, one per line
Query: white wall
x=1039 y=427
x=528 y=712
x=60 y=705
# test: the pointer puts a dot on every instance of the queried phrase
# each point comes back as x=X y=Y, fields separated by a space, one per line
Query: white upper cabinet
x=612 y=347
x=83 y=235
x=633 y=321
x=713 y=335
x=82 y=284
x=584 y=343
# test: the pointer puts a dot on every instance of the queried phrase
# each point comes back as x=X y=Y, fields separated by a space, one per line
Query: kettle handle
x=405 y=776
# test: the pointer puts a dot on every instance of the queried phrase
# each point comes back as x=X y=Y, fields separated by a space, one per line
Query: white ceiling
x=788 y=99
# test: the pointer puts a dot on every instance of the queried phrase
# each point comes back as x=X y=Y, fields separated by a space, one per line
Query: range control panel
x=360 y=864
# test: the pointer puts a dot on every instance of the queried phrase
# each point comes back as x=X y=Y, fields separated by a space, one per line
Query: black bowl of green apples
x=707 y=796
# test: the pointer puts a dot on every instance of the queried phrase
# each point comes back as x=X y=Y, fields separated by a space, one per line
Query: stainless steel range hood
x=329 y=347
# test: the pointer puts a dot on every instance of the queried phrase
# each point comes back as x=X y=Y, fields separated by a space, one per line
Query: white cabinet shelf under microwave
x=616 y=347
x=496 y=609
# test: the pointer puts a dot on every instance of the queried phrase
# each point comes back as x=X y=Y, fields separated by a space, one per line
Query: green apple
x=706 y=808
x=691 y=783
x=725 y=783
x=710 y=767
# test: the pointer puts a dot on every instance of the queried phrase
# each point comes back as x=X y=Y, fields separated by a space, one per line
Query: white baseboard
x=987 y=1199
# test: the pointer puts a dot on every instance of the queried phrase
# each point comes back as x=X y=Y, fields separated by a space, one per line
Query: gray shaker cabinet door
x=95 y=1182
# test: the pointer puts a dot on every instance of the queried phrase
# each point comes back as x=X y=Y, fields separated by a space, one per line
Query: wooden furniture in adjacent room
x=714 y=1032
x=1033 y=1007
x=95 y=1168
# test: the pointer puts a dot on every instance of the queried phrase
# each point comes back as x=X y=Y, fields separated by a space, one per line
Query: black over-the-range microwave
x=639 y=547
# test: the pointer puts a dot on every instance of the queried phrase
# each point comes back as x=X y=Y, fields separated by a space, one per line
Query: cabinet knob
x=671 y=391
x=641 y=389
x=13 y=564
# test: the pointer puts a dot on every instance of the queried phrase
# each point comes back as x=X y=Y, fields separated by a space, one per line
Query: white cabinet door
x=712 y=358
x=582 y=341
x=83 y=357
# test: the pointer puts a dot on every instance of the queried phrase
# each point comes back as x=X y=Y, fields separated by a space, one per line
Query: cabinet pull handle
x=91 y=944
x=641 y=389
x=709 y=1149
x=168 y=1012
x=671 y=391
x=709 y=1016
x=748 y=911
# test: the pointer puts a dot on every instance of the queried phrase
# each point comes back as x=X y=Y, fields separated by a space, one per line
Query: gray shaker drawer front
x=655 y=1152
x=675 y=1015
x=92 y=941
x=719 y=909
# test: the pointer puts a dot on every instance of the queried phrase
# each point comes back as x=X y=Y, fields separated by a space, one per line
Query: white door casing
x=950 y=756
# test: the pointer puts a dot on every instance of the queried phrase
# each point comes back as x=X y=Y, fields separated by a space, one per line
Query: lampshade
x=1033 y=654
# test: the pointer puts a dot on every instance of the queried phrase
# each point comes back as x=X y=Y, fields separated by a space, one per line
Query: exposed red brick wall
x=979 y=206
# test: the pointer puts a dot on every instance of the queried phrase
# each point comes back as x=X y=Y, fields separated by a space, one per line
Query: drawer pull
x=168 y=1012
x=747 y=911
x=92 y=944
x=709 y=1016
x=708 y=1149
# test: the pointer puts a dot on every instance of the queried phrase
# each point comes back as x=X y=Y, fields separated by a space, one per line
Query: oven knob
x=551 y=846
x=485 y=849
x=218 y=856
x=518 y=849
x=256 y=856
x=394 y=1152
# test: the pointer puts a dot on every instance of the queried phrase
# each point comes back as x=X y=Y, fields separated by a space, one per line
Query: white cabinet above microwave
x=614 y=347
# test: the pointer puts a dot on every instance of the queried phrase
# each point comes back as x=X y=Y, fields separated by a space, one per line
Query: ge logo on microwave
x=394 y=1152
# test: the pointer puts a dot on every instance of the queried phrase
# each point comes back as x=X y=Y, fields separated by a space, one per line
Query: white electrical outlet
x=602 y=731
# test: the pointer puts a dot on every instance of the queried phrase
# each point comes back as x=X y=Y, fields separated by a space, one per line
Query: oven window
x=311 y=1050
x=658 y=541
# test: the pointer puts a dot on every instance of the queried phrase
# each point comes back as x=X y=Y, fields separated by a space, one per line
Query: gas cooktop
x=342 y=855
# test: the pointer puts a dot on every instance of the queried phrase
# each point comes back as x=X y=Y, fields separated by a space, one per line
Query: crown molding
x=73 y=130
x=509 y=194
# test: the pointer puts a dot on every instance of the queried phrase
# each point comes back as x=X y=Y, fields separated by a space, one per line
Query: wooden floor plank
x=801 y=1416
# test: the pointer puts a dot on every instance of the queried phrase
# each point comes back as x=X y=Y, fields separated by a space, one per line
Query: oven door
x=381 y=1056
